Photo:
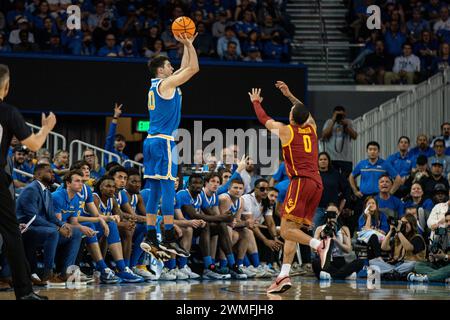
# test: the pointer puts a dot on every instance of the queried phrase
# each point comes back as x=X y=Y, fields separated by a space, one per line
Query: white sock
x=314 y=243
x=285 y=268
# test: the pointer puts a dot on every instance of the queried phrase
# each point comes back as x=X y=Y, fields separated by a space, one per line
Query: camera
x=439 y=240
x=392 y=221
x=339 y=117
x=330 y=228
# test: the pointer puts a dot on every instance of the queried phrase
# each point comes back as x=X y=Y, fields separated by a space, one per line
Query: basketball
x=183 y=25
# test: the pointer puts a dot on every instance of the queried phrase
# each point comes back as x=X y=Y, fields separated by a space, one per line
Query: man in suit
x=46 y=230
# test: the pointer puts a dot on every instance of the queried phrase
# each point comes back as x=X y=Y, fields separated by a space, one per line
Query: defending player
x=164 y=105
x=300 y=152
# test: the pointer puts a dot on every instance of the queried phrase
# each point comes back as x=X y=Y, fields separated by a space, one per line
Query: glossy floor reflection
x=303 y=289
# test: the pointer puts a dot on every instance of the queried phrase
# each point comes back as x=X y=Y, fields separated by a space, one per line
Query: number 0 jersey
x=165 y=114
x=301 y=153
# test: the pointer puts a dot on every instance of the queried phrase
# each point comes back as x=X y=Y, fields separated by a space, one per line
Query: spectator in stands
x=440 y=195
x=129 y=25
x=436 y=177
x=252 y=41
x=115 y=143
x=405 y=67
x=433 y=9
x=218 y=27
x=422 y=147
x=389 y=204
x=371 y=170
x=94 y=19
x=439 y=149
x=445 y=135
x=43 y=153
x=22 y=25
x=4 y=46
x=60 y=165
x=416 y=25
x=204 y=43
x=157 y=50
x=442 y=61
x=170 y=43
x=246 y=25
x=96 y=171
x=152 y=35
x=249 y=176
x=104 y=28
x=2 y=21
x=46 y=230
x=222 y=43
x=406 y=249
x=438 y=267
x=55 y=45
x=244 y=5
x=19 y=10
x=231 y=54
x=441 y=207
x=87 y=46
x=359 y=24
x=337 y=135
x=20 y=181
x=151 y=18
x=394 y=39
x=419 y=171
x=128 y=49
x=218 y=7
x=426 y=50
x=335 y=189
x=110 y=49
x=44 y=34
x=24 y=45
x=277 y=48
x=402 y=162
x=267 y=27
x=416 y=198
x=40 y=15
x=375 y=66
x=342 y=244
x=444 y=22
x=253 y=55
x=373 y=219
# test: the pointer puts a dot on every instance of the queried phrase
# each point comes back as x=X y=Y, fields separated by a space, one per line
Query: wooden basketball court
x=303 y=289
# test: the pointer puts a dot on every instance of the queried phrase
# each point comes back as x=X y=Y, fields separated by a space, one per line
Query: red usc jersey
x=301 y=153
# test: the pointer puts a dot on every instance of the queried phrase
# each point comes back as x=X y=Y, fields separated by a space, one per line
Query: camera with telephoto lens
x=439 y=241
x=330 y=228
x=339 y=117
x=392 y=221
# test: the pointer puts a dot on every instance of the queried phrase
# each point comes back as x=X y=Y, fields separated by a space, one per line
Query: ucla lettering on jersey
x=165 y=114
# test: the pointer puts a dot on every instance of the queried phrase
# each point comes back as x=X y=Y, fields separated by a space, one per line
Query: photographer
x=337 y=135
x=438 y=267
x=406 y=247
x=339 y=268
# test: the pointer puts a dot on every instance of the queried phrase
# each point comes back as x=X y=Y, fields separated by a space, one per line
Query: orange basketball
x=183 y=25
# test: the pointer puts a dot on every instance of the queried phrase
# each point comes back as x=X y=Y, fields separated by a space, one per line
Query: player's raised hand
x=184 y=39
x=242 y=163
x=283 y=88
x=49 y=122
x=255 y=95
x=117 y=110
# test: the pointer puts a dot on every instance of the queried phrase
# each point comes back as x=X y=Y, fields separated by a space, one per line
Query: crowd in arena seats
x=395 y=221
x=229 y=30
x=412 y=45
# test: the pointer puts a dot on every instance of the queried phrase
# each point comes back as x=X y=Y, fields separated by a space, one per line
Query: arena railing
x=54 y=141
x=420 y=110
x=77 y=148
x=132 y=163
x=29 y=175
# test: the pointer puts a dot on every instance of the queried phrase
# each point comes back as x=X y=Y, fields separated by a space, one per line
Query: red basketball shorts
x=302 y=199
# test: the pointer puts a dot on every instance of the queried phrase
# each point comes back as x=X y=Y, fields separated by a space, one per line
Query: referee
x=13 y=124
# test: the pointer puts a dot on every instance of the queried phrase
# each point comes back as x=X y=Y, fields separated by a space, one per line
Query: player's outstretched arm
x=190 y=70
x=184 y=60
x=283 y=87
x=275 y=127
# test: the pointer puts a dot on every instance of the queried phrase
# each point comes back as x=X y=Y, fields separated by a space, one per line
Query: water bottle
x=373 y=277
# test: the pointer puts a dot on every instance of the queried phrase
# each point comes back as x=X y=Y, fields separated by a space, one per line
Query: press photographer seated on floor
x=341 y=245
x=438 y=267
x=406 y=247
